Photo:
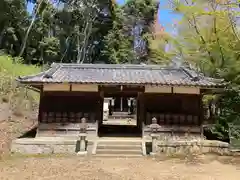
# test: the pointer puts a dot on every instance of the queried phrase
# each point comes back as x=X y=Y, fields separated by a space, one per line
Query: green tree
x=128 y=41
x=208 y=38
x=38 y=9
x=118 y=43
x=83 y=26
x=77 y=28
x=158 y=53
x=202 y=40
x=13 y=17
x=79 y=31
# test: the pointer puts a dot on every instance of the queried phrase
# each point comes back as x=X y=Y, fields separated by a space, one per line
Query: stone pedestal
x=82 y=153
x=154 y=143
x=82 y=139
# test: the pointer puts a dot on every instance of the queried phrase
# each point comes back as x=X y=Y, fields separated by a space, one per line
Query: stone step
x=121 y=116
x=118 y=156
x=120 y=146
x=126 y=143
x=119 y=151
x=119 y=113
x=120 y=139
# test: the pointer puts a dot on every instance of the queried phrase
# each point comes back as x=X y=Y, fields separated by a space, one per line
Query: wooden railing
x=67 y=117
x=63 y=129
x=175 y=128
x=66 y=126
x=173 y=119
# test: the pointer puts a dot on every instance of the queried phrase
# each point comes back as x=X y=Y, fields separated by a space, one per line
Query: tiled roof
x=121 y=74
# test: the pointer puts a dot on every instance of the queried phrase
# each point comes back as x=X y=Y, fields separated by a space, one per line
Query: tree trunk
x=79 y=59
x=66 y=50
x=78 y=46
x=1 y=36
x=29 y=29
x=42 y=58
x=86 y=43
x=87 y=33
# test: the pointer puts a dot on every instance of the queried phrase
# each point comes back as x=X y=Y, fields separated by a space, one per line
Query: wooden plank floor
x=122 y=121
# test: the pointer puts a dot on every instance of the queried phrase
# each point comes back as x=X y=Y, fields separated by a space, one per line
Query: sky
x=166 y=17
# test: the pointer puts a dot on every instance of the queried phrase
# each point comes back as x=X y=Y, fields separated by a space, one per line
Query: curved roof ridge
x=50 y=72
x=195 y=76
x=113 y=66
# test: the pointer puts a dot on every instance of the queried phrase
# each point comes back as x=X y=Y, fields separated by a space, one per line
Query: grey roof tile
x=120 y=74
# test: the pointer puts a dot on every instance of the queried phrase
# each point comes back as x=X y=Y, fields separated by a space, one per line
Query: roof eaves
x=25 y=78
x=218 y=82
x=44 y=74
x=195 y=76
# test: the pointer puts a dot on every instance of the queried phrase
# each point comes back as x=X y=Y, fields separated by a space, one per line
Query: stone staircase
x=121 y=115
x=119 y=147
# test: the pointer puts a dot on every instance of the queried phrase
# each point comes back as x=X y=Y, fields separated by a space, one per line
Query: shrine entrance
x=120 y=112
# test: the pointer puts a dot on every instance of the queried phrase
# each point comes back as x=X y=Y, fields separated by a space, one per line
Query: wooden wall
x=173 y=108
x=63 y=107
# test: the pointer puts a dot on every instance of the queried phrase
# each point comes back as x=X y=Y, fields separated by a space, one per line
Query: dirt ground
x=62 y=168
x=74 y=167
x=12 y=127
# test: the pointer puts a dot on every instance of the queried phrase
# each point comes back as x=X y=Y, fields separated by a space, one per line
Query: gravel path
x=62 y=168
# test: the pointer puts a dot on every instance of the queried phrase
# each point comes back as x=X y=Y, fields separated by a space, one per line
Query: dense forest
x=86 y=31
x=207 y=38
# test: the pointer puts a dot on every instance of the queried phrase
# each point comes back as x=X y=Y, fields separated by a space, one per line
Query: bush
x=230 y=113
x=18 y=97
x=13 y=69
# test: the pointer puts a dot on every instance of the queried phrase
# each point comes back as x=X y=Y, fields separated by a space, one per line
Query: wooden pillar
x=100 y=110
x=201 y=113
x=141 y=110
x=40 y=105
x=201 y=110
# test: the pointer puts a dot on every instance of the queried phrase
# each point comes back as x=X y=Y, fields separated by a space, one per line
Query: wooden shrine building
x=69 y=92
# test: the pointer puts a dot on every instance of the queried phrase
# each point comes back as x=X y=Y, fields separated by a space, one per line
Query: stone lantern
x=82 y=137
x=155 y=127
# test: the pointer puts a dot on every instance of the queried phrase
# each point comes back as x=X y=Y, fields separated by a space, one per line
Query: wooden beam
x=56 y=87
x=85 y=87
x=158 y=89
x=36 y=89
x=212 y=91
x=186 y=90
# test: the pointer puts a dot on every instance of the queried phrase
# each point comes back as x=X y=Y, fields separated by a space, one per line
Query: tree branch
x=216 y=34
x=231 y=22
x=200 y=35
